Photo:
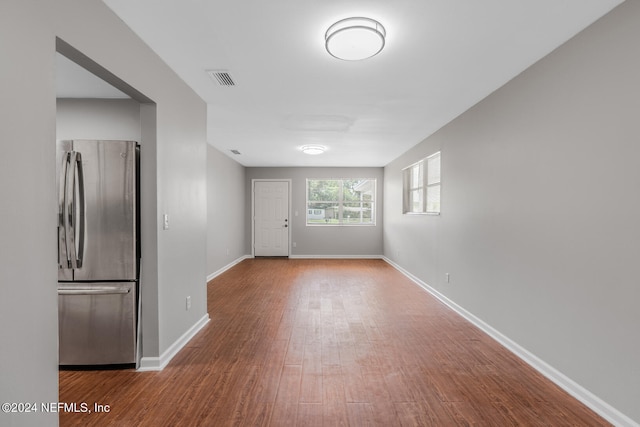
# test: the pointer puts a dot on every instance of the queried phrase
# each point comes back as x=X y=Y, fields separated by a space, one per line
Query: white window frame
x=425 y=187
x=340 y=203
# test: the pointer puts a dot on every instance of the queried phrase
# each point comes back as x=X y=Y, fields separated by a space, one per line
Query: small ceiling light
x=353 y=39
x=313 y=149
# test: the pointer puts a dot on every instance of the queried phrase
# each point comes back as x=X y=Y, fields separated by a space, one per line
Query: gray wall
x=322 y=241
x=28 y=269
x=117 y=119
x=226 y=240
x=28 y=272
x=540 y=208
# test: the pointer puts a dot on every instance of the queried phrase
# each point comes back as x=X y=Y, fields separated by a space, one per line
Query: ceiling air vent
x=222 y=77
x=235 y=152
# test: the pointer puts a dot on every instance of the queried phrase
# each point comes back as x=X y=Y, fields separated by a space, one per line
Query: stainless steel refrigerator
x=98 y=251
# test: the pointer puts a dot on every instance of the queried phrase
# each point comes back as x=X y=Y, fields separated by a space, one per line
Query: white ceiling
x=441 y=57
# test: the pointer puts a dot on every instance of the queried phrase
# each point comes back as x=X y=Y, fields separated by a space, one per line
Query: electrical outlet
x=227 y=251
x=165 y=223
x=188 y=303
x=447 y=277
x=294 y=244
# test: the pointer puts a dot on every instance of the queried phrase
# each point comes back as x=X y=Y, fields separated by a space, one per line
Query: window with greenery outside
x=341 y=201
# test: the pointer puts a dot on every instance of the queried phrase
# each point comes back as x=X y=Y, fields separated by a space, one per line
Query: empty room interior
x=341 y=213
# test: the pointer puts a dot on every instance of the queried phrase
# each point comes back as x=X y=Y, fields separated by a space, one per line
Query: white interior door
x=271 y=218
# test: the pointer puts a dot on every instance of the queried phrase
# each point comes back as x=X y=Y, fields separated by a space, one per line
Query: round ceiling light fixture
x=353 y=39
x=313 y=149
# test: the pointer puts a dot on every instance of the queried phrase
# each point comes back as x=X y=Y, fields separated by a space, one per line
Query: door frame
x=253 y=212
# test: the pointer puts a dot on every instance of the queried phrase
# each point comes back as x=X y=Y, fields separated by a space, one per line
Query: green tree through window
x=341 y=201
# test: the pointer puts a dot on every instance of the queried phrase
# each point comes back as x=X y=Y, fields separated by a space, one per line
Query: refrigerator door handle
x=63 y=220
x=75 y=211
x=95 y=290
x=80 y=220
x=69 y=215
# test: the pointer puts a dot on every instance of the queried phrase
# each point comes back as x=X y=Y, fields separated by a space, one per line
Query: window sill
x=422 y=213
x=340 y=225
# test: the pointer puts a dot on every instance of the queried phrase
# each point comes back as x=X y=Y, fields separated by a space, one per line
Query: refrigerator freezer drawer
x=97 y=324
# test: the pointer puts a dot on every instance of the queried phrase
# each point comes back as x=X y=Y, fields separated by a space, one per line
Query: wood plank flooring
x=327 y=343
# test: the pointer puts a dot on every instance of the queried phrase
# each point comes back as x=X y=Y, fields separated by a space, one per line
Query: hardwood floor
x=327 y=343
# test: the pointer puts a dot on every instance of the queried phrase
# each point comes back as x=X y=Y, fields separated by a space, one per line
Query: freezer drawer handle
x=95 y=291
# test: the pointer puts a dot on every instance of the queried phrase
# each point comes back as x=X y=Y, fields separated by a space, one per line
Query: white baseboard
x=336 y=256
x=598 y=405
x=159 y=363
x=226 y=267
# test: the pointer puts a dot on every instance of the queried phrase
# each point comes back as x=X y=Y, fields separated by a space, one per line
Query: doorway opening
x=93 y=103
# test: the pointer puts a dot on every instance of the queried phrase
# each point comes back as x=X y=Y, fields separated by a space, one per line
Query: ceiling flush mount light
x=313 y=149
x=353 y=39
